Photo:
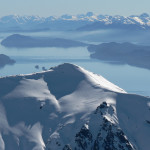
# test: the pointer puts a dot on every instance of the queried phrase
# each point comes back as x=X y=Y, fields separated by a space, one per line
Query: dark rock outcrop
x=109 y=136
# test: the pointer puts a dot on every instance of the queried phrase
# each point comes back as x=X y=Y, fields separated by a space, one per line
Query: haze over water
x=132 y=79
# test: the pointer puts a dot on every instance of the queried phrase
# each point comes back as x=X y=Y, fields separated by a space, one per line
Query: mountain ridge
x=85 y=22
x=68 y=108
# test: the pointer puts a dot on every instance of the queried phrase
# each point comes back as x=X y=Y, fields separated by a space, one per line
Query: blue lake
x=132 y=79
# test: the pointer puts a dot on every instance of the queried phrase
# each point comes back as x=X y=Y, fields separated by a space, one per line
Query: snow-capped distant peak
x=29 y=23
x=137 y=19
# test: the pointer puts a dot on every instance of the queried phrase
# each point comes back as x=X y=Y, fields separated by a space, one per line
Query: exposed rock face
x=109 y=136
x=101 y=132
x=84 y=138
x=67 y=147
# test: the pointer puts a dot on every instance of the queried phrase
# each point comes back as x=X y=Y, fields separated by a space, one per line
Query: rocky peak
x=109 y=136
x=104 y=109
x=83 y=138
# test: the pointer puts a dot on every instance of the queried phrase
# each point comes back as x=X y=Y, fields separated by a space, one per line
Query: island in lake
x=5 y=60
x=122 y=53
x=22 y=41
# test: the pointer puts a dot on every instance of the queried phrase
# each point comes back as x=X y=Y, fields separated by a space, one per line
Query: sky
x=59 y=7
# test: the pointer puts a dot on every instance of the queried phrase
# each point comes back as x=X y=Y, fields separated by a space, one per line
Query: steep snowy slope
x=69 y=108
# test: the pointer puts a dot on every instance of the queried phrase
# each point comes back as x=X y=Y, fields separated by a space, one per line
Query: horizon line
x=96 y=14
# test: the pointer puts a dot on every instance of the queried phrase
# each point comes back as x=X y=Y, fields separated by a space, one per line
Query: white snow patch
x=2 y=144
x=53 y=116
x=148 y=104
x=35 y=135
x=137 y=19
x=70 y=121
x=101 y=82
x=84 y=101
x=33 y=88
x=86 y=125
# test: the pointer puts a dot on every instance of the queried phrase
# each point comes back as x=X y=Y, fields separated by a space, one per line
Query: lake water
x=131 y=79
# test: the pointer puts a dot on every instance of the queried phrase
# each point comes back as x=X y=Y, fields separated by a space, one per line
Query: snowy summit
x=70 y=108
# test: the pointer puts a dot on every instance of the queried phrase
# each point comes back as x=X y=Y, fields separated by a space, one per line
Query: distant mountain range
x=80 y=22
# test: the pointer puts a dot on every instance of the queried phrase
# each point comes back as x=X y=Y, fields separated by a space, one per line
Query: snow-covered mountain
x=70 y=108
x=87 y=21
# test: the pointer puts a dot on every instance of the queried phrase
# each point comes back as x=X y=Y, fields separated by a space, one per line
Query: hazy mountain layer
x=122 y=53
x=21 y=41
x=5 y=60
x=84 y=22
